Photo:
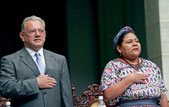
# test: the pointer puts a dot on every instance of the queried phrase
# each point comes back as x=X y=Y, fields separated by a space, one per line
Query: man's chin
x=36 y=48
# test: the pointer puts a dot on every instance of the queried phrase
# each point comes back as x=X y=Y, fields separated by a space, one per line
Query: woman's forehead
x=130 y=36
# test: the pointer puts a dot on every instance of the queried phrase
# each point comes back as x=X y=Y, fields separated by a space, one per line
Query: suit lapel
x=49 y=62
x=27 y=59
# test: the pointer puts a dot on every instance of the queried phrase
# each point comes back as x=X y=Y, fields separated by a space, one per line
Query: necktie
x=39 y=63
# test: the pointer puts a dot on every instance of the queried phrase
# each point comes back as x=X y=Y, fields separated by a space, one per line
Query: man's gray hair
x=31 y=18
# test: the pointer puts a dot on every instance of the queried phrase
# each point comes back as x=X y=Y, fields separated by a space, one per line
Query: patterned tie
x=39 y=63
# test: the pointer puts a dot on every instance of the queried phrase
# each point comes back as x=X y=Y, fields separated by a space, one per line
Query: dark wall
x=54 y=15
x=82 y=29
x=113 y=15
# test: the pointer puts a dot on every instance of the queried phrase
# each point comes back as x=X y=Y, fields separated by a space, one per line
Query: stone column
x=157 y=33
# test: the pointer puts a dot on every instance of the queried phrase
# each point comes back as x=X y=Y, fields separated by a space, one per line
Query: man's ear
x=22 y=36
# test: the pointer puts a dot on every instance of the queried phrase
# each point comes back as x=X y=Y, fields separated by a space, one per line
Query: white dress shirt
x=32 y=53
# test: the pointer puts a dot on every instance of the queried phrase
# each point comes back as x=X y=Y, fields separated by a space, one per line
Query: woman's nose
x=135 y=43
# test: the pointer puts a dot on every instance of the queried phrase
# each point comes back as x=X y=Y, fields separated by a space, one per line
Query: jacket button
x=44 y=93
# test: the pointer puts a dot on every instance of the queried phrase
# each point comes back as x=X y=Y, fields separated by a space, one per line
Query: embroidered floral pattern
x=115 y=71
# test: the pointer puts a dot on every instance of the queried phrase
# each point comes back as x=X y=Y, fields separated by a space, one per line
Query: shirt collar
x=32 y=52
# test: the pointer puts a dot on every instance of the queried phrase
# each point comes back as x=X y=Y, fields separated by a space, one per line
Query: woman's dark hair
x=120 y=40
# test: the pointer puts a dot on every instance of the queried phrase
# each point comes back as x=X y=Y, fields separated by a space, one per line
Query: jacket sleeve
x=66 y=91
x=10 y=86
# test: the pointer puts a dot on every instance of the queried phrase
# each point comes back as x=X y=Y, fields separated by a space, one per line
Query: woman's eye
x=128 y=41
x=137 y=41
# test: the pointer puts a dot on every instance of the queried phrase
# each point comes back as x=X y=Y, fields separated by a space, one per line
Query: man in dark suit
x=35 y=80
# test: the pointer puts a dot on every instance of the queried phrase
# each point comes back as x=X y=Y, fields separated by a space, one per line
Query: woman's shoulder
x=114 y=61
x=148 y=62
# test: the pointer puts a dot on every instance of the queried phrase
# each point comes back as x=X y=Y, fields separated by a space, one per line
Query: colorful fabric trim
x=147 y=102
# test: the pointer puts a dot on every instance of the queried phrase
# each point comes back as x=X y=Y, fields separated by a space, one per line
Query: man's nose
x=37 y=32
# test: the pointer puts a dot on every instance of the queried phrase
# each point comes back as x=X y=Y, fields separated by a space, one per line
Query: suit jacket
x=18 y=81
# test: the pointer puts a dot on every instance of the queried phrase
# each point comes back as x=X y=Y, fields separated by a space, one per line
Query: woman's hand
x=138 y=77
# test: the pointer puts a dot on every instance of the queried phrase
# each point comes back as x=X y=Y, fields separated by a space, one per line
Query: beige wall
x=157 y=26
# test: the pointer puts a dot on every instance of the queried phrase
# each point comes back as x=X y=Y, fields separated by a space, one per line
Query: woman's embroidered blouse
x=116 y=70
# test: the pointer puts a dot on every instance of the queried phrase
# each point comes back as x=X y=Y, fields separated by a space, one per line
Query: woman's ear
x=118 y=49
